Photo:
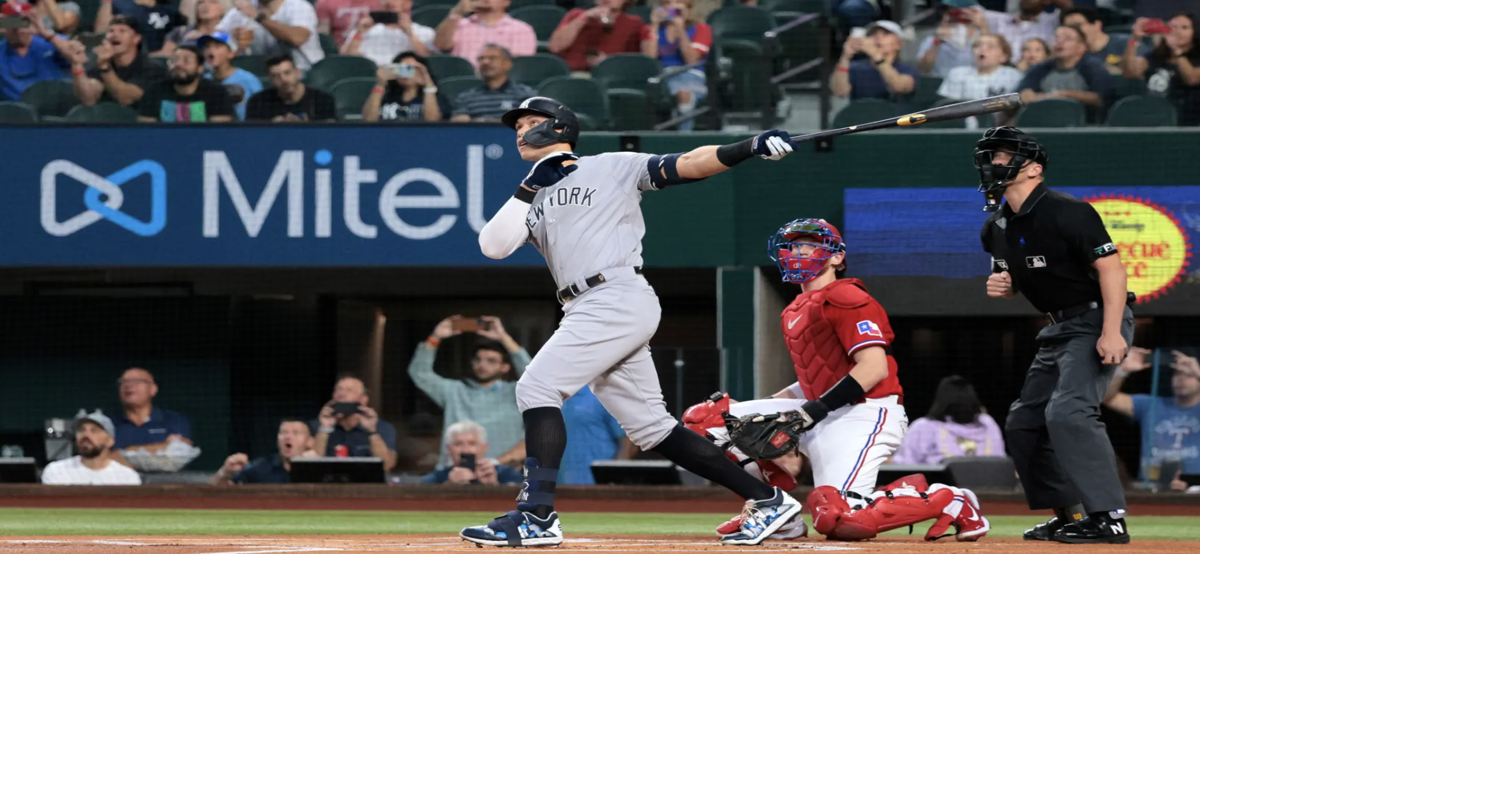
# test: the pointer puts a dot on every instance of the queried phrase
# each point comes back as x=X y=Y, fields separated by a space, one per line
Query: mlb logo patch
x=1035 y=261
x=868 y=328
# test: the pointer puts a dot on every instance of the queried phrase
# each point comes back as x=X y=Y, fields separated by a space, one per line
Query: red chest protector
x=809 y=325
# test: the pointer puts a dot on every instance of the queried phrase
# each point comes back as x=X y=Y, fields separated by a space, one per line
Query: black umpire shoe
x=1044 y=531
x=1094 y=530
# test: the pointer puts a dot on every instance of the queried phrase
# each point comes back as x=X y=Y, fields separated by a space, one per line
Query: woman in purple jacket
x=956 y=425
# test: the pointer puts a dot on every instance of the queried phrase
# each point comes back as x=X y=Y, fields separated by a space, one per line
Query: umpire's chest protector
x=810 y=332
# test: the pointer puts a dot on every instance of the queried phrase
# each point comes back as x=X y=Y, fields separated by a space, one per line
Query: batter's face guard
x=558 y=127
x=802 y=248
x=1021 y=150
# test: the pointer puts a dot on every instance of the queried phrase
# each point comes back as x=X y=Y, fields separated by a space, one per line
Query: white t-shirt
x=965 y=84
x=296 y=13
x=73 y=472
x=382 y=42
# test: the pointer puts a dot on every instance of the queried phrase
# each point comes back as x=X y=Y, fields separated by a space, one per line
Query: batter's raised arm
x=713 y=159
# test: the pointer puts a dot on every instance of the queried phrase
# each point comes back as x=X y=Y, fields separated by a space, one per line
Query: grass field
x=34 y=522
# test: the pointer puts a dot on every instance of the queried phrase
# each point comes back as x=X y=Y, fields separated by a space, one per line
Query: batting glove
x=773 y=145
x=549 y=170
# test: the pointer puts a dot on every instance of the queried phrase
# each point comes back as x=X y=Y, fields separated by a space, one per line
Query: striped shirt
x=482 y=102
x=472 y=35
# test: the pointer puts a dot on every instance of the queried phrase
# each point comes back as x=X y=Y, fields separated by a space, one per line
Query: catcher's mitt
x=765 y=436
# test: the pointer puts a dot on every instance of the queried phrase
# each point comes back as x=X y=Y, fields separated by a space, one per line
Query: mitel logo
x=104 y=198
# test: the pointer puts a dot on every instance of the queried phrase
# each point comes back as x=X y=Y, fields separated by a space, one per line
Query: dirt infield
x=404 y=543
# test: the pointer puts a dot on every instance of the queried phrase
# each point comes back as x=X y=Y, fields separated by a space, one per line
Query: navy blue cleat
x=763 y=517
x=516 y=529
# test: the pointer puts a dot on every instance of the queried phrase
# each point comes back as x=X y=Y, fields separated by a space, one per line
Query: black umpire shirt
x=1048 y=248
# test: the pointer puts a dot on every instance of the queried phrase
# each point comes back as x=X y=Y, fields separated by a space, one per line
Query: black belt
x=567 y=293
x=1055 y=317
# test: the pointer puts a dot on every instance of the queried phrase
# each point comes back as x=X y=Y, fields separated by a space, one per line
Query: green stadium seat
x=797 y=7
x=329 y=46
x=515 y=5
x=453 y=86
x=866 y=110
x=588 y=122
x=430 y=15
x=626 y=71
x=51 y=98
x=445 y=5
x=17 y=113
x=349 y=95
x=629 y=110
x=1123 y=87
x=443 y=67
x=746 y=70
x=1052 y=113
x=1145 y=111
x=533 y=69
x=927 y=90
x=544 y=18
x=742 y=23
x=335 y=68
x=254 y=64
x=582 y=96
x=102 y=113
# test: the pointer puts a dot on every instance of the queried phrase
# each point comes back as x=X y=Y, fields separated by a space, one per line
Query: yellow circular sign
x=1149 y=241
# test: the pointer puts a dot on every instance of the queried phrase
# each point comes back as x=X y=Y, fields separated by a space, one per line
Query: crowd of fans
x=1044 y=49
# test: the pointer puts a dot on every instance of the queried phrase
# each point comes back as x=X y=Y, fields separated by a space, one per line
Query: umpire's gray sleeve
x=506 y=231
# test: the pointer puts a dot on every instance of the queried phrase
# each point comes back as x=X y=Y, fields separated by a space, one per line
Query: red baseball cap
x=14 y=9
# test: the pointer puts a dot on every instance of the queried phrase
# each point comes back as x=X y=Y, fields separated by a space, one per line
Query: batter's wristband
x=735 y=153
x=525 y=195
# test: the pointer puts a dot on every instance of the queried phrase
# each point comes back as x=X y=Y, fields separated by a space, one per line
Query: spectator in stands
x=121 y=68
x=586 y=36
x=676 y=38
x=881 y=75
x=1172 y=69
x=202 y=19
x=157 y=20
x=28 y=54
x=218 y=50
x=1073 y=73
x=498 y=94
x=467 y=442
x=473 y=24
x=592 y=434
x=853 y=13
x=293 y=441
x=140 y=424
x=950 y=46
x=956 y=425
x=361 y=432
x=488 y=398
x=338 y=18
x=1035 y=51
x=990 y=75
x=381 y=42
x=184 y=96
x=60 y=17
x=407 y=94
x=276 y=27
x=1110 y=48
x=290 y=101
x=93 y=440
x=1171 y=426
x=1031 y=21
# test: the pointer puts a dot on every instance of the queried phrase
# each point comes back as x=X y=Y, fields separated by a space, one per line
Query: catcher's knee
x=834 y=518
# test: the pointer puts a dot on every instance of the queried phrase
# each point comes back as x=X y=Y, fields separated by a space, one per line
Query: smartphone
x=91 y=40
x=384 y=17
x=465 y=324
x=1156 y=27
x=468 y=461
x=858 y=32
x=345 y=408
x=671 y=13
x=405 y=70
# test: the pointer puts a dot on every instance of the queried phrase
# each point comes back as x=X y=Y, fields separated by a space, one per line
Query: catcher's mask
x=995 y=177
x=802 y=247
x=560 y=125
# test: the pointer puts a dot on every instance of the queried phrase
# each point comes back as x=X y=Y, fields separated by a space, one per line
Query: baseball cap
x=892 y=27
x=221 y=37
x=13 y=16
x=97 y=417
x=14 y=9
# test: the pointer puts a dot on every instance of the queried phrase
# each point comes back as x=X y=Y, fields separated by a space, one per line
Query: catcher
x=844 y=413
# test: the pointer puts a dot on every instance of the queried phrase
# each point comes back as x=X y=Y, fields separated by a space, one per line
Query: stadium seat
x=348 y=95
x=51 y=98
x=518 y=4
x=16 y=113
x=443 y=67
x=254 y=64
x=1123 y=87
x=797 y=7
x=927 y=90
x=532 y=70
x=335 y=68
x=1147 y=111
x=102 y=113
x=742 y=23
x=1052 y=113
x=430 y=15
x=445 y=5
x=582 y=96
x=629 y=110
x=453 y=86
x=588 y=123
x=747 y=71
x=983 y=471
x=329 y=46
x=626 y=71
x=543 y=18
x=866 y=110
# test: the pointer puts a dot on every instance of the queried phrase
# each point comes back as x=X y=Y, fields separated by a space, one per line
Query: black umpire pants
x=1054 y=431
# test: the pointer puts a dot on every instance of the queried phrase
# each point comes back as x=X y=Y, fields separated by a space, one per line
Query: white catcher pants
x=847 y=448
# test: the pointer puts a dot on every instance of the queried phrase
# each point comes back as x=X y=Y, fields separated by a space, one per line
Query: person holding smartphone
x=468 y=461
x=407 y=95
x=1172 y=69
x=881 y=74
x=950 y=46
x=275 y=27
x=29 y=52
x=383 y=34
x=486 y=397
x=346 y=421
x=675 y=39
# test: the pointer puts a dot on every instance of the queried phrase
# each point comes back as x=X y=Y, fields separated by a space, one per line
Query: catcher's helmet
x=799 y=268
x=995 y=177
x=561 y=127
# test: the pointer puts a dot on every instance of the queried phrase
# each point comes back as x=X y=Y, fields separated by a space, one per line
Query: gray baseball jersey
x=590 y=221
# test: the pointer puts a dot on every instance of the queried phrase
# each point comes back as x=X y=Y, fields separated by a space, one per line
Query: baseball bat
x=997 y=103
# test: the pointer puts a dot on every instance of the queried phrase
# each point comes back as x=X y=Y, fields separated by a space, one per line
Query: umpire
x=1054 y=249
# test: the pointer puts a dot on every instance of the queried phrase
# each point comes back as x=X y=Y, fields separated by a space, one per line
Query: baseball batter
x=582 y=213
x=848 y=401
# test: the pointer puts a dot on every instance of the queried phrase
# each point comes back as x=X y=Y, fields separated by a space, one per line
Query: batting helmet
x=560 y=127
x=995 y=177
x=795 y=268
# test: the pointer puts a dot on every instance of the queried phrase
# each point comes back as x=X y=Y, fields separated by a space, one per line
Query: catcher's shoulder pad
x=847 y=293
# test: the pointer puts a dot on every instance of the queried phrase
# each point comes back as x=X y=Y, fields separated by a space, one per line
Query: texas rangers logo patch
x=868 y=328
